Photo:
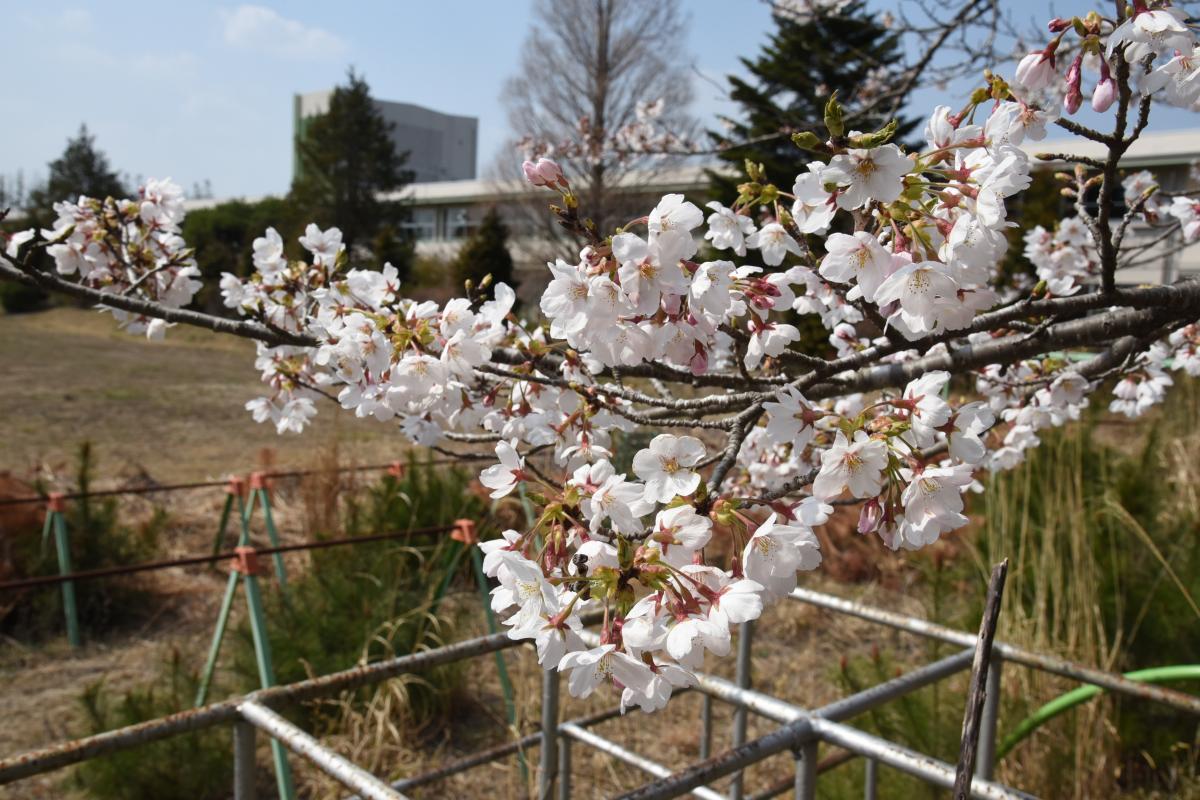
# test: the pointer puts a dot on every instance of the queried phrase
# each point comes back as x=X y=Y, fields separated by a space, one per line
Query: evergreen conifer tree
x=346 y=158
x=81 y=169
x=848 y=51
x=486 y=253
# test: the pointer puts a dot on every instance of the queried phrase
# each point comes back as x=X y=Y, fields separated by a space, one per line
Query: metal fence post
x=744 y=668
x=871 y=780
x=564 y=768
x=244 y=768
x=62 y=544
x=549 y=748
x=806 y=771
x=985 y=758
x=706 y=727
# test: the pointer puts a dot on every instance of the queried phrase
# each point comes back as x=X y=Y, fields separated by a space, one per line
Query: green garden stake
x=245 y=571
x=214 y=650
x=465 y=533
x=258 y=487
x=247 y=565
x=234 y=492
x=62 y=545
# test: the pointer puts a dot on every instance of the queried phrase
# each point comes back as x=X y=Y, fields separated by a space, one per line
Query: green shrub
x=98 y=539
x=195 y=765
x=17 y=298
x=362 y=603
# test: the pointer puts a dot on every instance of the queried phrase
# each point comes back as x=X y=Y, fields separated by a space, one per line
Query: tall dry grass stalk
x=1062 y=520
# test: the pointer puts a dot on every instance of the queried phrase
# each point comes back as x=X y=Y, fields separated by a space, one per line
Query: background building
x=440 y=147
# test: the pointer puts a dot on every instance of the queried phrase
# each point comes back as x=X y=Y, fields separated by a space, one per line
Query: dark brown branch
x=149 y=308
x=969 y=744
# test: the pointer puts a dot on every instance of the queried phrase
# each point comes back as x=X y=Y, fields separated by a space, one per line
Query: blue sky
x=203 y=90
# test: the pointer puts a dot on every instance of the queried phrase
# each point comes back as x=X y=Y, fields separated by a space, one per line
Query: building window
x=422 y=224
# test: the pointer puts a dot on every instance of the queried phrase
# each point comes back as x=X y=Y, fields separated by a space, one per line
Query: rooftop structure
x=440 y=147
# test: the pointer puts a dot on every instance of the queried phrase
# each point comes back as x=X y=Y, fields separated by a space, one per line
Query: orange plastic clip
x=56 y=502
x=464 y=531
x=396 y=470
x=258 y=480
x=245 y=560
x=236 y=485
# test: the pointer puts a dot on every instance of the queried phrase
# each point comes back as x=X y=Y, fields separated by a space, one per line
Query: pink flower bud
x=550 y=172
x=1058 y=25
x=1074 y=98
x=699 y=360
x=870 y=516
x=531 y=174
x=1106 y=90
x=1036 y=70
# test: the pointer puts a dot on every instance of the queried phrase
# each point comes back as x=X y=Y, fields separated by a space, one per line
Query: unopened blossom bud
x=1058 y=25
x=544 y=173
x=869 y=517
x=1036 y=70
x=1074 y=98
x=1106 y=90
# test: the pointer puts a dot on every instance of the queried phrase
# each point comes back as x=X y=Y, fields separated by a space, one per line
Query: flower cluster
x=697 y=325
x=636 y=548
x=1155 y=43
x=125 y=247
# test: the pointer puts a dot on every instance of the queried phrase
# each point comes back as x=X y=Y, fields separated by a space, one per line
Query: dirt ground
x=70 y=376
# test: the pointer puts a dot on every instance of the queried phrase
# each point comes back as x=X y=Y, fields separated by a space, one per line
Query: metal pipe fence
x=800 y=730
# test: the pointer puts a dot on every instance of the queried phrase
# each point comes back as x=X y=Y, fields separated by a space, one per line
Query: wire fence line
x=212 y=558
x=801 y=730
x=210 y=484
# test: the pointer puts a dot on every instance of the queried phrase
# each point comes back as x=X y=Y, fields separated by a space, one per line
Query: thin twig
x=978 y=692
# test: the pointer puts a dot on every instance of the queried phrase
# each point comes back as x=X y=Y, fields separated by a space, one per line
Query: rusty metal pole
x=549 y=748
x=744 y=672
x=806 y=771
x=244 y=768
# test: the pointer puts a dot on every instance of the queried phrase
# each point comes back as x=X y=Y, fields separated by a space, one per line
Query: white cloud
x=262 y=29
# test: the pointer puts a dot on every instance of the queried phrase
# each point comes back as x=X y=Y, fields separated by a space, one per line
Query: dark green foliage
x=346 y=157
x=390 y=246
x=98 y=539
x=802 y=64
x=375 y=600
x=196 y=765
x=17 y=298
x=486 y=253
x=81 y=169
x=1040 y=204
x=223 y=238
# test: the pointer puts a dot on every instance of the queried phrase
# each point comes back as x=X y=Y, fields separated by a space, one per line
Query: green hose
x=1071 y=699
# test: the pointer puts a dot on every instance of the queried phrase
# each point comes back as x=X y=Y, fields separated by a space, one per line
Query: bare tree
x=586 y=67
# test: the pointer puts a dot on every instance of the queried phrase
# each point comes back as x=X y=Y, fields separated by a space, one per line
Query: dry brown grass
x=170 y=410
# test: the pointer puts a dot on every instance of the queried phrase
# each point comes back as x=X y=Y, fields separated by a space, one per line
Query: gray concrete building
x=440 y=147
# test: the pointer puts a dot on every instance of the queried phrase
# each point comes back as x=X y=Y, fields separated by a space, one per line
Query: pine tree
x=346 y=159
x=486 y=253
x=81 y=169
x=805 y=61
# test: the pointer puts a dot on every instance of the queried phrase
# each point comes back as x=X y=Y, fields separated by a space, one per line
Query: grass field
x=169 y=410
